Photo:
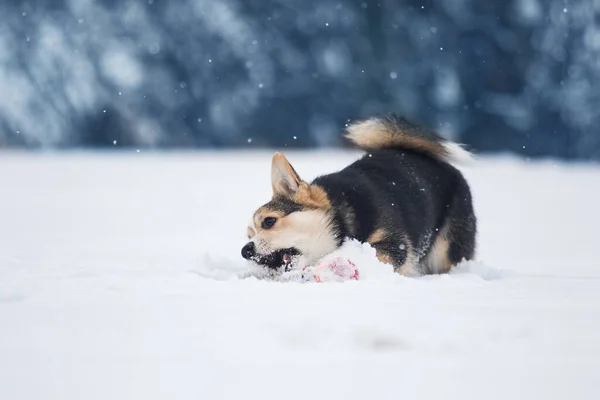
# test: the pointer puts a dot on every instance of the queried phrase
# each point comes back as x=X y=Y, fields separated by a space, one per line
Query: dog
x=403 y=197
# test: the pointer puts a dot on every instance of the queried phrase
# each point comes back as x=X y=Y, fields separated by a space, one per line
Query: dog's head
x=295 y=225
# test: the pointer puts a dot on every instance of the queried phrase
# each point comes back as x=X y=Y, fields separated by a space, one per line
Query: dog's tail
x=396 y=132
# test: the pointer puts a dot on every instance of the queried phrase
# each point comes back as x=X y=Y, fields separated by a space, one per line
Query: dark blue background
x=516 y=76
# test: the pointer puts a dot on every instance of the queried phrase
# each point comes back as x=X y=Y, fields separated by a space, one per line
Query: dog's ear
x=284 y=179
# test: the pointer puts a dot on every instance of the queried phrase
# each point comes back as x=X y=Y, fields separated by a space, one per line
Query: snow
x=121 y=278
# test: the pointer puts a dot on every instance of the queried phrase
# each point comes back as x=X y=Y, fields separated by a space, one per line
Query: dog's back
x=404 y=197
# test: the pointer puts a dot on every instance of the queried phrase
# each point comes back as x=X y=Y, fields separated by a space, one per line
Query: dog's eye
x=268 y=222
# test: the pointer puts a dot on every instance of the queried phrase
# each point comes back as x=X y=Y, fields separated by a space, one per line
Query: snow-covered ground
x=118 y=280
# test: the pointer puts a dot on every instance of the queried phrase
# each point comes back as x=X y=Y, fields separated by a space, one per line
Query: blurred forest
x=520 y=76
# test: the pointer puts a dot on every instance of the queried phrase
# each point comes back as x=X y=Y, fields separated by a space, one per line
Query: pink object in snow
x=338 y=269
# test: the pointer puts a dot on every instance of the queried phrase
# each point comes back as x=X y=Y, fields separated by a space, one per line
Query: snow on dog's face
x=295 y=225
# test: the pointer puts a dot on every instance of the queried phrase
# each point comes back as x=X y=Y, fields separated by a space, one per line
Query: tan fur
x=250 y=233
x=263 y=213
x=284 y=179
x=437 y=261
x=311 y=196
x=377 y=236
x=409 y=268
x=286 y=182
x=375 y=133
x=384 y=257
x=308 y=231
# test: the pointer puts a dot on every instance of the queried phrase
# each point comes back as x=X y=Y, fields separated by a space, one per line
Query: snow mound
x=361 y=254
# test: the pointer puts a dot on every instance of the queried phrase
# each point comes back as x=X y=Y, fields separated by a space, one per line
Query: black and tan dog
x=403 y=197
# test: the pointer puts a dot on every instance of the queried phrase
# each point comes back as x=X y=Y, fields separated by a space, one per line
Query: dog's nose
x=248 y=250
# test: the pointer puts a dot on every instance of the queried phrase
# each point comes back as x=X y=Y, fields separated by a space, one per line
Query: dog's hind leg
x=437 y=260
x=463 y=239
x=456 y=240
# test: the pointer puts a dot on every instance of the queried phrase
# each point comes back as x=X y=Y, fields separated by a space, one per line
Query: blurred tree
x=501 y=76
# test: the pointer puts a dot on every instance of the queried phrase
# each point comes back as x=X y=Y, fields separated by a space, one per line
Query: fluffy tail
x=396 y=132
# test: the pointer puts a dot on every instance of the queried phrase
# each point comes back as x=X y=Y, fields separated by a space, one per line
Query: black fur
x=403 y=197
x=408 y=194
x=284 y=205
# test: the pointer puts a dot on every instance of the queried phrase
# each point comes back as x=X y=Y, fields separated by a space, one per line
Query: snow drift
x=120 y=277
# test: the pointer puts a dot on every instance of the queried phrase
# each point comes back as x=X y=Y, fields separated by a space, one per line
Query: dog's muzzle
x=248 y=251
x=276 y=259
